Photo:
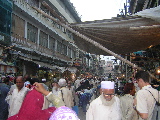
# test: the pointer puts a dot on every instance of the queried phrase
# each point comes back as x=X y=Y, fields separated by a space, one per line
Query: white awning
x=153 y=13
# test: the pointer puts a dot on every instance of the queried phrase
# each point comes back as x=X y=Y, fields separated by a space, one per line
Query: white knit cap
x=107 y=85
x=62 y=82
x=64 y=113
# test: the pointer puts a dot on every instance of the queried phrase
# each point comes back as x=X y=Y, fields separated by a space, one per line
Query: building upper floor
x=38 y=35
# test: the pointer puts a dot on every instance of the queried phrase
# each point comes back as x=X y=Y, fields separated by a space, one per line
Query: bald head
x=19 y=82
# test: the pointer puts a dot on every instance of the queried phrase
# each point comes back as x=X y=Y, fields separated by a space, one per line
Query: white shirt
x=55 y=90
x=98 y=111
x=66 y=95
x=9 y=95
x=145 y=100
x=77 y=83
x=88 y=91
x=17 y=100
x=72 y=89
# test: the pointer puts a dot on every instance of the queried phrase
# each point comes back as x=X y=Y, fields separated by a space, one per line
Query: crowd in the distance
x=32 y=99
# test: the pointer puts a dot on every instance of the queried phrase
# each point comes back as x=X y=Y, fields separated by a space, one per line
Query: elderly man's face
x=108 y=94
x=19 y=82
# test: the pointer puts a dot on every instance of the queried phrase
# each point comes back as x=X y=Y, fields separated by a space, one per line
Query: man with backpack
x=146 y=97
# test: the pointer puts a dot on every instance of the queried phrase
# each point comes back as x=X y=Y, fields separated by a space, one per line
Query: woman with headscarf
x=126 y=102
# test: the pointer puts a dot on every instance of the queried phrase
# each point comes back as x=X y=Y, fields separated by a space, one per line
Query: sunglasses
x=108 y=95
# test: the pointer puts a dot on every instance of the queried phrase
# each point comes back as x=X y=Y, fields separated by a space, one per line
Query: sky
x=90 y=10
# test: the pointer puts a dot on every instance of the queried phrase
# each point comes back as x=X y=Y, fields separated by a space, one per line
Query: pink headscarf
x=64 y=113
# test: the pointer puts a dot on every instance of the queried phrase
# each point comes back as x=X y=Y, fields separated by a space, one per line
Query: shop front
x=7 y=70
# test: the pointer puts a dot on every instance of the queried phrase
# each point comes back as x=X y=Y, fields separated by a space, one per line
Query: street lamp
x=158 y=71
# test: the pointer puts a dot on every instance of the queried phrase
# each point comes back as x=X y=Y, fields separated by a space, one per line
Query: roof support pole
x=96 y=44
x=134 y=6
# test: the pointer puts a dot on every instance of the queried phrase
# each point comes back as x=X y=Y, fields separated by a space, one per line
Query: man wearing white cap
x=65 y=94
x=106 y=106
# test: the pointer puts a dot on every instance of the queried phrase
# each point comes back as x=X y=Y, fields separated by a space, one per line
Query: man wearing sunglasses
x=106 y=106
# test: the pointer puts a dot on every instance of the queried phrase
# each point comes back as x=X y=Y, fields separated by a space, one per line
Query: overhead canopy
x=120 y=35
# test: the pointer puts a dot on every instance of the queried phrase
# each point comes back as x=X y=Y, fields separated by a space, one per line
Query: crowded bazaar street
x=81 y=114
x=54 y=65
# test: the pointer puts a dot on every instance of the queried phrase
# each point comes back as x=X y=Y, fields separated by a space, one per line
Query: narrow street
x=47 y=40
x=81 y=114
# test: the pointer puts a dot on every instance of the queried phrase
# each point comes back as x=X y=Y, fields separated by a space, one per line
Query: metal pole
x=126 y=68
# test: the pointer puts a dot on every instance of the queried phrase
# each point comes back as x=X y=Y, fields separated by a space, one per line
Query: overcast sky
x=90 y=10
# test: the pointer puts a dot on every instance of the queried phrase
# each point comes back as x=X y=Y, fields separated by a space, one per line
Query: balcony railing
x=23 y=42
x=41 y=18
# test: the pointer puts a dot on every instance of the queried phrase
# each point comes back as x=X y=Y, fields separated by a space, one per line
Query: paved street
x=81 y=114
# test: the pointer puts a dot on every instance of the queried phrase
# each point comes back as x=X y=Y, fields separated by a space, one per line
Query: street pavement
x=81 y=114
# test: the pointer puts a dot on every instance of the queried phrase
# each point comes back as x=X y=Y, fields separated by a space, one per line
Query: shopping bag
x=75 y=108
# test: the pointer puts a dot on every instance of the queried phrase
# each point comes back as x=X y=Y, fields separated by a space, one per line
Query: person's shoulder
x=154 y=91
x=26 y=89
x=116 y=98
x=13 y=86
x=95 y=101
x=15 y=89
x=4 y=88
x=141 y=91
x=146 y=89
x=65 y=89
x=122 y=97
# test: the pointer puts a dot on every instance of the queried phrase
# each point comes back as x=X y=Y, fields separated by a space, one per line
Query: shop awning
x=42 y=64
x=115 y=36
x=121 y=35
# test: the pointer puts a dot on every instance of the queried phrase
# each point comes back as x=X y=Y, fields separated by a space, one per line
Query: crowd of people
x=30 y=99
